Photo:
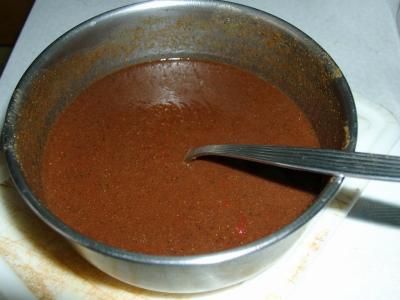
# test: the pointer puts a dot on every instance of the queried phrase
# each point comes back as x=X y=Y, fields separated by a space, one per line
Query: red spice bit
x=241 y=225
x=226 y=203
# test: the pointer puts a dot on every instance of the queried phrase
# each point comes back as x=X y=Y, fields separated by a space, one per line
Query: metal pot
x=222 y=31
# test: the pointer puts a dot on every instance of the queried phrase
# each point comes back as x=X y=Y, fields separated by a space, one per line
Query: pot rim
x=17 y=176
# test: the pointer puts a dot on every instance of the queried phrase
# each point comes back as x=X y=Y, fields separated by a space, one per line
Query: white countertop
x=361 y=259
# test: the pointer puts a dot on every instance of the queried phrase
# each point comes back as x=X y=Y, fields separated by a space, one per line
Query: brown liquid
x=113 y=165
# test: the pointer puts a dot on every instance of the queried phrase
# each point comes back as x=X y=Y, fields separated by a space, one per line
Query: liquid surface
x=113 y=165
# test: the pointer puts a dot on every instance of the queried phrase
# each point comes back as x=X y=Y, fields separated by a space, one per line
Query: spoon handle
x=324 y=161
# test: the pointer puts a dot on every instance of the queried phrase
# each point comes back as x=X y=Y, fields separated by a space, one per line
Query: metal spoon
x=324 y=161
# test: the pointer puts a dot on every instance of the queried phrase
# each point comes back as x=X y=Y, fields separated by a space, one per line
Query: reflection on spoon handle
x=324 y=161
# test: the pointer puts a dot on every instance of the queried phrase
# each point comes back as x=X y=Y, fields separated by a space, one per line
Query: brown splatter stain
x=313 y=247
x=346 y=130
x=300 y=268
x=26 y=273
x=61 y=267
x=336 y=73
x=345 y=200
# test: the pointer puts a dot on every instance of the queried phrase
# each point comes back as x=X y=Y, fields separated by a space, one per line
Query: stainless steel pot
x=226 y=32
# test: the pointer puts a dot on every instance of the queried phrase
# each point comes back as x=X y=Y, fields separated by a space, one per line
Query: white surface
x=11 y=287
x=362 y=259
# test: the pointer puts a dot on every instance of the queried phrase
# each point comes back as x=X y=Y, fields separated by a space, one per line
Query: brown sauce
x=113 y=165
